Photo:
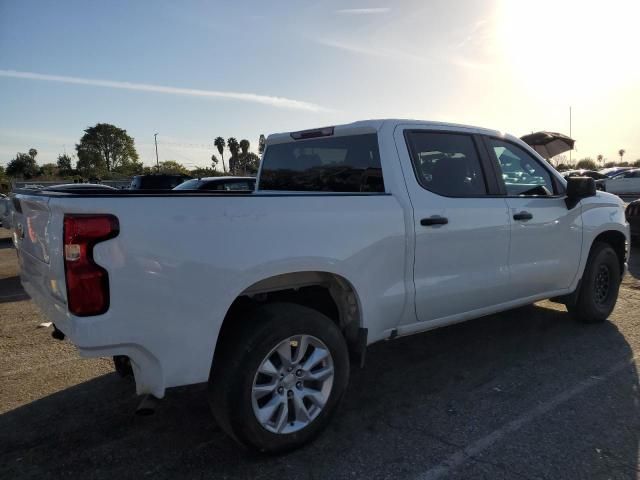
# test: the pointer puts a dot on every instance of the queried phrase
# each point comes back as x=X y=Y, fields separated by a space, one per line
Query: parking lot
x=524 y=394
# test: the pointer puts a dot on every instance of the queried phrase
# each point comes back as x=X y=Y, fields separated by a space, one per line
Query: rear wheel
x=279 y=377
x=599 y=288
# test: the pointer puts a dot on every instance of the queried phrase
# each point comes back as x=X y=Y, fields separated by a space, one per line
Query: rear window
x=330 y=164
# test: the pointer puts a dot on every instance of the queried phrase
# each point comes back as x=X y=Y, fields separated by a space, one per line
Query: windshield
x=192 y=184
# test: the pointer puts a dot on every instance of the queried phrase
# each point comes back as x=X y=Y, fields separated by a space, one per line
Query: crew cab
x=355 y=234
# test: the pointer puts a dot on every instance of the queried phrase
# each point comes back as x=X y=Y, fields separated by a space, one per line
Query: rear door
x=546 y=237
x=461 y=230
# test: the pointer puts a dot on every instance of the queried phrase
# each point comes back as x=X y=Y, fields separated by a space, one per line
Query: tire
x=235 y=382
x=594 y=303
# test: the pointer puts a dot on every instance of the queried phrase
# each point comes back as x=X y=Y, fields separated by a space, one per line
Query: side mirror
x=579 y=188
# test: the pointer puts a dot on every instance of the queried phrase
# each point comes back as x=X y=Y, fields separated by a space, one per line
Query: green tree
x=91 y=166
x=248 y=162
x=563 y=167
x=600 y=159
x=2 y=172
x=244 y=146
x=128 y=169
x=49 y=170
x=609 y=164
x=621 y=152
x=220 y=144
x=172 y=167
x=23 y=165
x=233 y=146
x=33 y=153
x=214 y=161
x=205 y=172
x=106 y=145
x=587 y=164
x=64 y=165
x=636 y=163
x=262 y=143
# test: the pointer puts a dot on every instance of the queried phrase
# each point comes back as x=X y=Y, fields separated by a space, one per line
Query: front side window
x=522 y=174
x=447 y=163
x=328 y=164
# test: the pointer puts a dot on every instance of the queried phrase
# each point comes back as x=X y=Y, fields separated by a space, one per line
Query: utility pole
x=155 y=139
x=570 y=133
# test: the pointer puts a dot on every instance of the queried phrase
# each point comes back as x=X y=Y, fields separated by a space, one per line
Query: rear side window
x=329 y=164
x=447 y=163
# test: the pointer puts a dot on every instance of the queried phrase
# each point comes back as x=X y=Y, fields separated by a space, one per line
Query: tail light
x=87 y=282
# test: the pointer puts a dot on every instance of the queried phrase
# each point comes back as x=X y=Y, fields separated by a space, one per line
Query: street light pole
x=570 y=133
x=155 y=139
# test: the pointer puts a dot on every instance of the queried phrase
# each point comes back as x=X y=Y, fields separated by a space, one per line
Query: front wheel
x=599 y=288
x=279 y=377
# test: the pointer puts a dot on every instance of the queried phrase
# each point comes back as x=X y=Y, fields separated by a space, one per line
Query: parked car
x=81 y=186
x=626 y=182
x=613 y=171
x=5 y=211
x=219 y=183
x=157 y=182
x=597 y=176
x=355 y=234
x=632 y=214
x=584 y=173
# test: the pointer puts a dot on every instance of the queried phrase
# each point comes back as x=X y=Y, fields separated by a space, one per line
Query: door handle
x=427 y=222
x=522 y=216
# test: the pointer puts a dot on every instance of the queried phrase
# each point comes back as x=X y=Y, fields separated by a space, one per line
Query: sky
x=194 y=70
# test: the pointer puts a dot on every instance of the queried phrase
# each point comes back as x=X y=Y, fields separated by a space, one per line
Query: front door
x=461 y=232
x=546 y=237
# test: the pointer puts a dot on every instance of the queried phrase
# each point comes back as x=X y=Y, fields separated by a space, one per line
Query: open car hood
x=549 y=144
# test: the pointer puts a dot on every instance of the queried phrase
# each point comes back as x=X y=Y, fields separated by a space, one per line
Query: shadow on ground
x=6 y=243
x=417 y=401
x=11 y=290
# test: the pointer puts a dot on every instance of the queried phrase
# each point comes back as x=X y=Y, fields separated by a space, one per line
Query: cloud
x=363 y=11
x=372 y=51
x=278 y=102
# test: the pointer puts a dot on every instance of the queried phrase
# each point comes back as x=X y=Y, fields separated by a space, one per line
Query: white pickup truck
x=355 y=234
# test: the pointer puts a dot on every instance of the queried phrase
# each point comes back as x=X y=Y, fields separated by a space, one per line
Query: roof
x=228 y=177
x=373 y=126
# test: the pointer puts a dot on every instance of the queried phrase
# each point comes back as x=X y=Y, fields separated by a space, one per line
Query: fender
x=600 y=214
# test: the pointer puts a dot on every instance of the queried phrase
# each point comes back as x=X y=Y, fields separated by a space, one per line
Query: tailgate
x=32 y=226
x=39 y=244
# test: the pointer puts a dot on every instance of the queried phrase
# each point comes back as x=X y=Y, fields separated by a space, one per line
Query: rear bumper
x=85 y=332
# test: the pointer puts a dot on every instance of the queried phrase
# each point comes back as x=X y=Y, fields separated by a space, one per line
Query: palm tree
x=33 y=152
x=621 y=152
x=244 y=146
x=242 y=161
x=600 y=159
x=219 y=144
x=233 y=146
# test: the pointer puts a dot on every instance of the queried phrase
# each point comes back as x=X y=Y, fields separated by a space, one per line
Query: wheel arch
x=617 y=240
x=330 y=293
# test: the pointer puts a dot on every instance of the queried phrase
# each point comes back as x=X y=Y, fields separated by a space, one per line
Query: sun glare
x=569 y=49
